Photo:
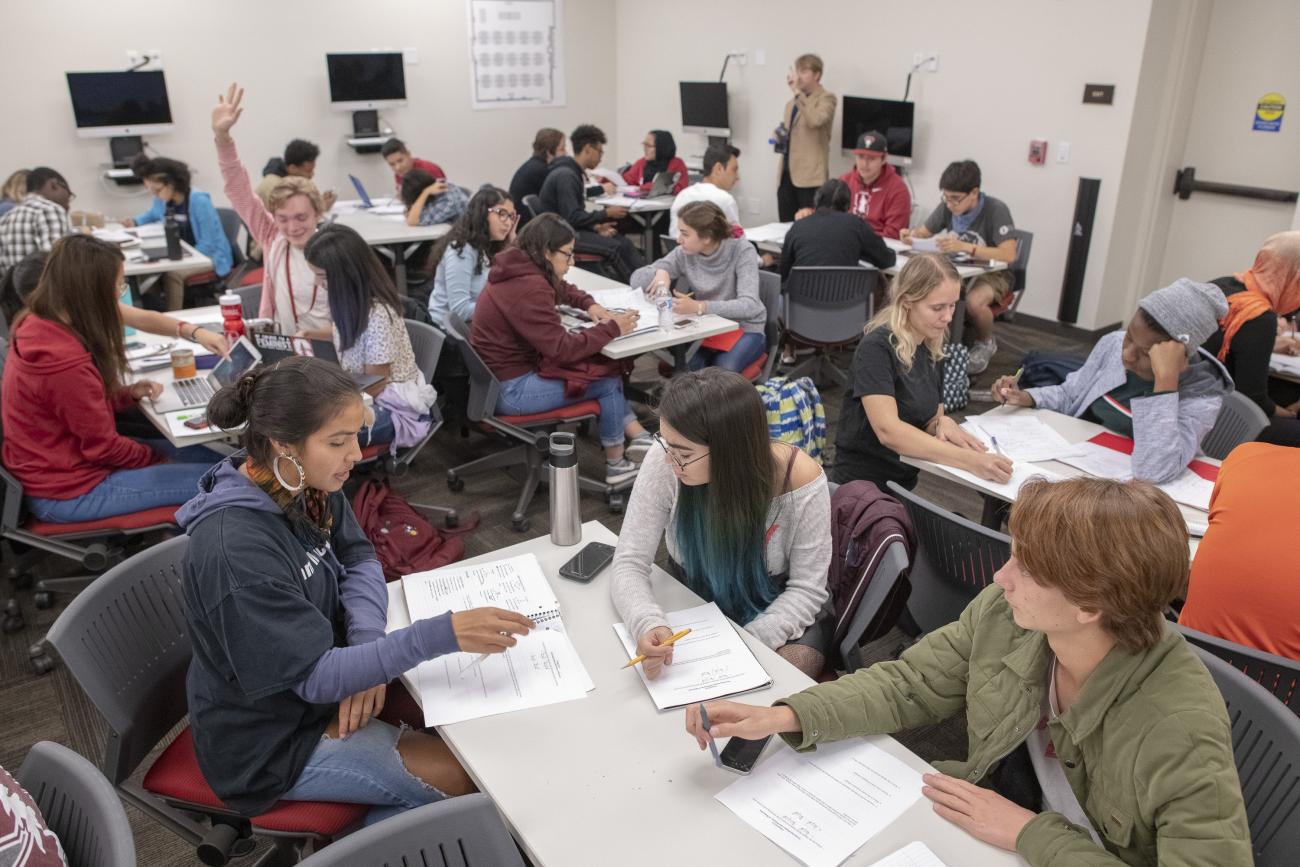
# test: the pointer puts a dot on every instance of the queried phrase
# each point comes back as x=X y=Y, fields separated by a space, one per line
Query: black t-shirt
x=1250 y=352
x=527 y=181
x=878 y=371
x=832 y=238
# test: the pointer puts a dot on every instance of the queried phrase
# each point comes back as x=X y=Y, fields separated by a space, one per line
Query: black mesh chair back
x=826 y=306
x=533 y=203
x=1240 y=421
x=426 y=343
x=1277 y=674
x=483 y=384
x=79 y=805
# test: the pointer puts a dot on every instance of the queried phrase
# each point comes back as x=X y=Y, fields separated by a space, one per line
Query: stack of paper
x=1096 y=460
x=822 y=806
x=1021 y=472
x=543 y=668
x=1021 y=436
x=629 y=299
x=1288 y=364
x=768 y=232
x=712 y=662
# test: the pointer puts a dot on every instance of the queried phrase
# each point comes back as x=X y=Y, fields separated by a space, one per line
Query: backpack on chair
x=404 y=541
x=956 y=376
x=795 y=413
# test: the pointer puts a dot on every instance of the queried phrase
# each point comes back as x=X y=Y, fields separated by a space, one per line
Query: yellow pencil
x=667 y=641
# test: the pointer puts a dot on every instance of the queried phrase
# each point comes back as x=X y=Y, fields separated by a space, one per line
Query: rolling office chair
x=79 y=805
x=827 y=307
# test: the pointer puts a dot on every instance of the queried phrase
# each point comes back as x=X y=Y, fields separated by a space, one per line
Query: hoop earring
x=302 y=476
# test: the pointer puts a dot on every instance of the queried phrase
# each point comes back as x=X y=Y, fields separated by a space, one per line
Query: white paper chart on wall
x=516 y=53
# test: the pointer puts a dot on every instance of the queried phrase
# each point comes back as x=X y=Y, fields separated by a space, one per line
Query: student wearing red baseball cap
x=878 y=194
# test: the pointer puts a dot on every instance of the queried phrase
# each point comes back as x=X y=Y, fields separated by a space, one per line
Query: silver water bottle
x=566 y=523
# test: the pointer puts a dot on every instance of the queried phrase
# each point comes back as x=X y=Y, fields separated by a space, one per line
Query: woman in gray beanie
x=1151 y=382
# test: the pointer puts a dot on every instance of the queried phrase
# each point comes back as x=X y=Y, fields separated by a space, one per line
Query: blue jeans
x=363 y=768
x=746 y=351
x=127 y=491
x=528 y=394
x=382 y=431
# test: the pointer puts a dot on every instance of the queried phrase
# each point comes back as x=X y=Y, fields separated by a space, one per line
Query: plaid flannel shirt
x=34 y=225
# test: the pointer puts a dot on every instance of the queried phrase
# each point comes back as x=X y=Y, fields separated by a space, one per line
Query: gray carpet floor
x=52 y=707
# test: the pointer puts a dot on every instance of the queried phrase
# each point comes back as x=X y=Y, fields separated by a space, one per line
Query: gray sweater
x=727 y=280
x=800 y=546
x=1167 y=428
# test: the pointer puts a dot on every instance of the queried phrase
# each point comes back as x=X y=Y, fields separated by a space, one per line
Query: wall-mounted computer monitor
x=374 y=79
x=107 y=104
x=892 y=118
x=704 y=108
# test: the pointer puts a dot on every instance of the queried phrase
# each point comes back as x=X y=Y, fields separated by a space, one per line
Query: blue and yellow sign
x=1268 y=112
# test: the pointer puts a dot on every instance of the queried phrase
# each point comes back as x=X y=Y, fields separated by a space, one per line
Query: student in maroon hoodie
x=518 y=333
x=63 y=382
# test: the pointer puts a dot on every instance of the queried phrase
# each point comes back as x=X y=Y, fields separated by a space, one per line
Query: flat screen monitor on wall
x=892 y=118
x=107 y=104
x=704 y=107
x=366 y=80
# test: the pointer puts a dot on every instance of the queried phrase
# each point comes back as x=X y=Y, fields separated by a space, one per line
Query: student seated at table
x=1095 y=734
x=399 y=159
x=1150 y=382
x=877 y=193
x=1243 y=582
x=299 y=161
x=830 y=236
x=746 y=521
x=429 y=200
x=529 y=177
x=22 y=279
x=660 y=156
x=893 y=407
x=717 y=274
x=968 y=221
x=195 y=215
x=286 y=607
x=519 y=335
x=40 y=219
x=466 y=252
x=13 y=191
x=370 y=334
x=64 y=378
x=721 y=171
x=564 y=193
x=1257 y=300
x=292 y=297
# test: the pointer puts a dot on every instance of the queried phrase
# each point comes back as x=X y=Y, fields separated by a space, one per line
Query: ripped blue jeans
x=363 y=768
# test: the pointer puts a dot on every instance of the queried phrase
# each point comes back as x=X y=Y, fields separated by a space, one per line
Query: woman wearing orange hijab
x=1257 y=301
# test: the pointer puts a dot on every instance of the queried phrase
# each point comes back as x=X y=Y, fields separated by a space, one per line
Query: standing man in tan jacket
x=808 y=118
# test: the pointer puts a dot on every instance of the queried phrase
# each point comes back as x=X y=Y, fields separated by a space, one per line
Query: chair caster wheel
x=455 y=483
x=44 y=599
x=42 y=664
x=13 y=618
x=520 y=525
x=616 y=504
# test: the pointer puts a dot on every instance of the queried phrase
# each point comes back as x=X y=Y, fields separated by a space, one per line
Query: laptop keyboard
x=194 y=392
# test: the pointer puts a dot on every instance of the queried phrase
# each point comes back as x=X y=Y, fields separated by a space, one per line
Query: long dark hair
x=19 y=282
x=79 y=288
x=721 y=526
x=665 y=151
x=354 y=280
x=472 y=229
x=288 y=402
x=413 y=183
x=545 y=234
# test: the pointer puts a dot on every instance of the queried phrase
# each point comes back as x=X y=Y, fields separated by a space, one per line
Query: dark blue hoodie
x=283 y=627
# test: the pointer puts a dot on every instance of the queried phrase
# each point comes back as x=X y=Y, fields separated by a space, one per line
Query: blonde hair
x=288 y=187
x=809 y=61
x=15 y=187
x=922 y=274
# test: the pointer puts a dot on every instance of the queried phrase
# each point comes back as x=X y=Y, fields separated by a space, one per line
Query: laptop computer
x=196 y=391
x=277 y=347
x=392 y=206
x=663 y=185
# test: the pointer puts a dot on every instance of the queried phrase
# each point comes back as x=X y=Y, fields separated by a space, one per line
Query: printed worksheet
x=912 y=855
x=1020 y=436
x=1190 y=489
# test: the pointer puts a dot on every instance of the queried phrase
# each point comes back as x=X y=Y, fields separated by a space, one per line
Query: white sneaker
x=620 y=471
x=636 y=449
x=981 y=353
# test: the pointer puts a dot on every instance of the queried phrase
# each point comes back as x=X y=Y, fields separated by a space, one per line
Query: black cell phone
x=739 y=755
x=585 y=565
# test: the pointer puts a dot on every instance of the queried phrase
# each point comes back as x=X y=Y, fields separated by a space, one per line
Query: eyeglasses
x=681 y=464
x=956 y=198
x=568 y=254
x=508 y=216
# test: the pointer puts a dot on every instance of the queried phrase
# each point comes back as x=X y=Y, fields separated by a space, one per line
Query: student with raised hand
x=64 y=380
x=370 y=334
x=660 y=156
x=292 y=297
x=893 y=407
x=1247 y=337
x=1151 y=382
x=1096 y=736
x=22 y=279
x=429 y=200
x=399 y=159
x=831 y=236
x=721 y=172
x=746 y=521
x=716 y=273
x=486 y=228
x=195 y=215
x=286 y=609
x=548 y=145
x=542 y=366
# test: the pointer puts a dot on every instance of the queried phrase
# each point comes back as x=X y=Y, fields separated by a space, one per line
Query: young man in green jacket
x=1081 y=703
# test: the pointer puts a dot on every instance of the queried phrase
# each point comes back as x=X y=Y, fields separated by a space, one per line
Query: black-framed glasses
x=950 y=199
x=681 y=464
x=568 y=254
x=508 y=216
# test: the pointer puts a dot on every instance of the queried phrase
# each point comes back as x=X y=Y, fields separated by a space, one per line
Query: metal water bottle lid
x=563 y=449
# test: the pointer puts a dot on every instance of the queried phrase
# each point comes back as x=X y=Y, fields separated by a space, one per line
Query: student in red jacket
x=660 y=156
x=63 y=382
x=878 y=194
x=541 y=365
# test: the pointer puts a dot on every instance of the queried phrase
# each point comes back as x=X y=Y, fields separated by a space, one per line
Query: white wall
x=276 y=50
x=1008 y=73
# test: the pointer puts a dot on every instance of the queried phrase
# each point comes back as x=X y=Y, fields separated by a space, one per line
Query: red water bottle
x=232 y=317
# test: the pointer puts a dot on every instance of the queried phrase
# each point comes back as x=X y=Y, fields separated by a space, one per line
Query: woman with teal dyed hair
x=746 y=520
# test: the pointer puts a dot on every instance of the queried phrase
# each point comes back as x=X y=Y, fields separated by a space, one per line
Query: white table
x=134 y=270
x=389 y=231
x=610 y=779
x=645 y=212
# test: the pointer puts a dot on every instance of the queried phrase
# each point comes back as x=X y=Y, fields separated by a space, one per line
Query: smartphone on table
x=739 y=755
x=588 y=562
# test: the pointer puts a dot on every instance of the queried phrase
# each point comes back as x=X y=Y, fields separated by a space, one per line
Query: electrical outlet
x=926 y=61
x=1062 y=151
x=144 y=60
x=760 y=57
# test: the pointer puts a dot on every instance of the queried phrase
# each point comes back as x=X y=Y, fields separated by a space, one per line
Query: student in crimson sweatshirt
x=542 y=366
x=62 y=385
x=878 y=194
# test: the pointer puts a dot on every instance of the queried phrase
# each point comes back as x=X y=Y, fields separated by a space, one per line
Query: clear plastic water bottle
x=664 y=303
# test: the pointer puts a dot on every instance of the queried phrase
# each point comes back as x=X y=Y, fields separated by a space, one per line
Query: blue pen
x=995 y=446
x=713 y=747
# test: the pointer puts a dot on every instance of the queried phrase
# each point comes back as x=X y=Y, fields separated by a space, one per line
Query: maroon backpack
x=404 y=541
